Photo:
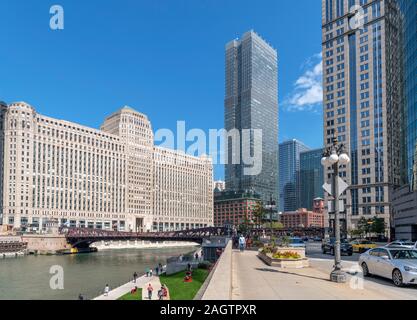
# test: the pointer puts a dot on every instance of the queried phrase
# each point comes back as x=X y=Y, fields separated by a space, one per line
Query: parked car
x=296 y=242
x=328 y=247
x=397 y=264
x=362 y=245
x=401 y=244
x=317 y=239
x=306 y=239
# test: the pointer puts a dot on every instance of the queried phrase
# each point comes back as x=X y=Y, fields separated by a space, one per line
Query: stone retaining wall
x=220 y=285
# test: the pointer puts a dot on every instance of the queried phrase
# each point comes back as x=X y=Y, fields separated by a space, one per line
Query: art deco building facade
x=86 y=177
x=361 y=101
x=251 y=103
x=183 y=194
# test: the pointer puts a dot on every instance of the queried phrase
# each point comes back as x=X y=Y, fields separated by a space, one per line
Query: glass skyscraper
x=289 y=170
x=405 y=197
x=311 y=177
x=251 y=106
x=409 y=54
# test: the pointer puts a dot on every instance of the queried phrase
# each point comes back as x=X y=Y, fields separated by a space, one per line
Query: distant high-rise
x=362 y=82
x=251 y=103
x=311 y=178
x=289 y=170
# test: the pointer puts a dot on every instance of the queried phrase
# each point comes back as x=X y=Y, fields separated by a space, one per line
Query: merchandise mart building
x=105 y=179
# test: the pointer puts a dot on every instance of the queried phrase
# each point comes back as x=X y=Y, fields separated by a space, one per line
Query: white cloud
x=308 y=89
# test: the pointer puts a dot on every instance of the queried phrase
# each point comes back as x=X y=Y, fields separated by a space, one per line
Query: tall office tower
x=135 y=131
x=362 y=101
x=408 y=29
x=311 y=178
x=405 y=197
x=289 y=174
x=3 y=110
x=251 y=103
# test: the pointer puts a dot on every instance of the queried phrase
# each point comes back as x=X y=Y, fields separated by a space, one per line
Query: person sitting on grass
x=164 y=292
x=161 y=293
x=188 y=277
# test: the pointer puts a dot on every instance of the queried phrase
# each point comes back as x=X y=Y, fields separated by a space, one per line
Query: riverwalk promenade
x=253 y=279
x=141 y=282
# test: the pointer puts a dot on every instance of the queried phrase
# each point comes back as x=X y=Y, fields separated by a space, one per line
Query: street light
x=335 y=156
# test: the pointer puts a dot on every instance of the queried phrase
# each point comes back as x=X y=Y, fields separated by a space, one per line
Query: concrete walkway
x=252 y=279
x=126 y=288
x=156 y=285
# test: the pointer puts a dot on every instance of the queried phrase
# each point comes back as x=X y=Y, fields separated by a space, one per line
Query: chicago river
x=28 y=277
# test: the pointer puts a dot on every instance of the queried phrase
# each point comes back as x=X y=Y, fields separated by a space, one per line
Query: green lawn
x=180 y=290
x=129 y=296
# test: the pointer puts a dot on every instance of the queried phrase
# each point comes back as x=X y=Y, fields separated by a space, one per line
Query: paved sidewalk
x=122 y=290
x=252 y=279
x=156 y=284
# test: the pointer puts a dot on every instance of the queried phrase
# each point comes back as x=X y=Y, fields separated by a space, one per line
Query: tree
x=378 y=225
x=258 y=214
x=275 y=225
x=363 y=227
x=244 y=226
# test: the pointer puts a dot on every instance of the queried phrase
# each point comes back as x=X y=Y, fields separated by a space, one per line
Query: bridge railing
x=100 y=233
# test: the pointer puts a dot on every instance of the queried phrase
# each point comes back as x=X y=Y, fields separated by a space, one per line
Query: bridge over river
x=83 y=238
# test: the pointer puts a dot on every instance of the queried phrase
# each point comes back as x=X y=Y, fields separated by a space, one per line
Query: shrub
x=258 y=244
x=286 y=255
x=205 y=265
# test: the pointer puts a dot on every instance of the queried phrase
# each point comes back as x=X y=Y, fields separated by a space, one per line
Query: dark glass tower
x=251 y=106
x=311 y=178
x=405 y=196
x=289 y=171
x=409 y=41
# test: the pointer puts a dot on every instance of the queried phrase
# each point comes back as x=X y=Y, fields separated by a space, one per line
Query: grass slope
x=180 y=290
x=129 y=296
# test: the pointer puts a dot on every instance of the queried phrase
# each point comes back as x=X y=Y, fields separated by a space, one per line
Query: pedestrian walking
x=161 y=268
x=150 y=272
x=196 y=256
x=106 y=290
x=135 y=276
x=150 y=290
x=147 y=272
x=242 y=243
x=157 y=270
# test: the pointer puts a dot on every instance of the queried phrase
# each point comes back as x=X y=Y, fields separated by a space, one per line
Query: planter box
x=284 y=263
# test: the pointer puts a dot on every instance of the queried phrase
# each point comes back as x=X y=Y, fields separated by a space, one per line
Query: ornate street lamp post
x=335 y=156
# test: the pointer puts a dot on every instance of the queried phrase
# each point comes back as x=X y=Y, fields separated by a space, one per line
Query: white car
x=401 y=244
x=398 y=264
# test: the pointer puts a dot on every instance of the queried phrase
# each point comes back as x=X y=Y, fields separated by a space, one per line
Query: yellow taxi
x=362 y=245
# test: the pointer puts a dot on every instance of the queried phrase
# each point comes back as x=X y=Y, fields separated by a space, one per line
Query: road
x=313 y=250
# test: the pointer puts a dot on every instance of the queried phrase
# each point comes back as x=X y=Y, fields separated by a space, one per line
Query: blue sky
x=165 y=58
